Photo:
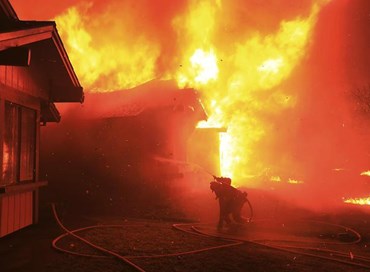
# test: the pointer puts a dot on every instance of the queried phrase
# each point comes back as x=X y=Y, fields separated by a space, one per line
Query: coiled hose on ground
x=193 y=229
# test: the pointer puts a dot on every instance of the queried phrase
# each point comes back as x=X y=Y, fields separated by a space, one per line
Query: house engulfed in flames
x=122 y=144
x=35 y=72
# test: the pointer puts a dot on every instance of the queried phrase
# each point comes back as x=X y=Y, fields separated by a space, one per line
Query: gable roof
x=48 y=52
x=151 y=96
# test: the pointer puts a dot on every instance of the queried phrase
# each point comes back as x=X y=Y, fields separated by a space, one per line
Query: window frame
x=19 y=143
x=23 y=100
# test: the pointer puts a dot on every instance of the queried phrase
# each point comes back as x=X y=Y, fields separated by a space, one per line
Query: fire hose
x=125 y=259
x=250 y=209
x=296 y=249
x=122 y=258
x=234 y=241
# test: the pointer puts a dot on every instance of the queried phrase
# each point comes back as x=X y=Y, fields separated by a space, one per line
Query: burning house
x=35 y=72
x=265 y=72
x=121 y=145
x=183 y=99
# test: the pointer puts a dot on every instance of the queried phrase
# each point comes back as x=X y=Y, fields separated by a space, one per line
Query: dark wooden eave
x=38 y=45
x=19 y=35
x=43 y=37
x=6 y=11
x=49 y=113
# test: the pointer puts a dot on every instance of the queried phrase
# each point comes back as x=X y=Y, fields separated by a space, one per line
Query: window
x=11 y=143
x=19 y=144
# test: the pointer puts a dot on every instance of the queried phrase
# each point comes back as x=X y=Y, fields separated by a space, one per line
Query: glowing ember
x=294 y=181
x=290 y=180
x=339 y=169
x=366 y=173
x=358 y=201
x=275 y=178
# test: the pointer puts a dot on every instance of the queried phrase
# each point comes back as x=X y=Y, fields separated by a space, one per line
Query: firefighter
x=231 y=201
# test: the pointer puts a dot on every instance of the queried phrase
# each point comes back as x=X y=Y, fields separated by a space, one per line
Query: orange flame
x=295 y=181
x=290 y=180
x=358 y=201
x=203 y=68
x=237 y=70
x=365 y=173
x=106 y=58
x=246 y=78
x=275 y=178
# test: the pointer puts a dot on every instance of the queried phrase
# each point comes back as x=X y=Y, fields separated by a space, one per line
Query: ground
x=266 y=245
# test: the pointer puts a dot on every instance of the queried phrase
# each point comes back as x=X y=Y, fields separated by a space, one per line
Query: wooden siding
x=18 y=205
x=23 y=79
x=16 y=212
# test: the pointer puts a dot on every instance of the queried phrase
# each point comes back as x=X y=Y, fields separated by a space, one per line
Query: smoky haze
x=322 y=141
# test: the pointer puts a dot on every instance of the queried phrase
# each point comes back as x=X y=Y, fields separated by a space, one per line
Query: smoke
x=328 y=142
x=301 y=125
